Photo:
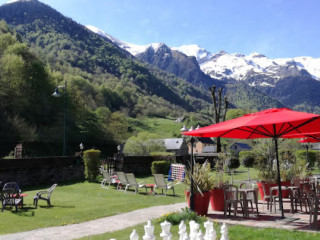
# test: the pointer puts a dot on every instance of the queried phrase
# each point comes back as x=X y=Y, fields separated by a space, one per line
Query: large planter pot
x=201 y=202
x=268 y=185
x=285 y=193
x=217 y=199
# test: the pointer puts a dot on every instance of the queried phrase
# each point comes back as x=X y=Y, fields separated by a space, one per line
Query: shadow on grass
x=44 y=186
x=55 y=206
x=24 y=212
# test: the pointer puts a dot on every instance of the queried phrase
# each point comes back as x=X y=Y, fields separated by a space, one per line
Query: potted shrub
x=203 y=182
x=217 y=192
x=247 y=160
x=232 y=163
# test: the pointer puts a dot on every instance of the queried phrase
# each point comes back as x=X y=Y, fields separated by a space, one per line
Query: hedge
x=92 y=162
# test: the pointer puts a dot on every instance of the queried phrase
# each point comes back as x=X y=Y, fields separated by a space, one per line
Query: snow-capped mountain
x=223 y=65
x=256 y=69
x=130 y=47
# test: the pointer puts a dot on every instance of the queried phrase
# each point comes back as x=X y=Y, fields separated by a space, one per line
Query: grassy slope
x=165 y=128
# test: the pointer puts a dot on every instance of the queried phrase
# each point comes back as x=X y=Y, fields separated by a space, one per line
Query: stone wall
x=39 y=171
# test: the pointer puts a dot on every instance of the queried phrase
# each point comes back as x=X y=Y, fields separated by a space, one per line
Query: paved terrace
x=297 y=221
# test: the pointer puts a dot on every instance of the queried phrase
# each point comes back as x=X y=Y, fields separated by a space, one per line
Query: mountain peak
x=257 y=55
x=194 y=50
x=236 y=66
x=13 y=1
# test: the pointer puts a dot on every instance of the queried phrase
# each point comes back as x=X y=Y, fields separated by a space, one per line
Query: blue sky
x=275 y=28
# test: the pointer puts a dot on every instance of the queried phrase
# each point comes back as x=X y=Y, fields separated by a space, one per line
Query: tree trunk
x=217 y=109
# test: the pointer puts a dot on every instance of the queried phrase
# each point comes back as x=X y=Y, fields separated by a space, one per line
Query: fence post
x=224 y=232
x=148 y=229
x=166 y=234
x=134 y=235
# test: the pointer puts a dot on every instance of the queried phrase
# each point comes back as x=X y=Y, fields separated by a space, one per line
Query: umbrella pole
x=191 y=180
x=279 y=179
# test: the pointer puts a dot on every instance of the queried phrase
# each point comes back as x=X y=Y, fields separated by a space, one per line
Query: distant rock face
x=255 y=69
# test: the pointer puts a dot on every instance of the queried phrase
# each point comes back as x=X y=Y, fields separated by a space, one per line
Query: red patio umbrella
x=309 y=140
x=272 y=123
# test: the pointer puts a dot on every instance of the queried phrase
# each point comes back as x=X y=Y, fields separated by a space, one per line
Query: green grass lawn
x=81 y=202
x=235 y=232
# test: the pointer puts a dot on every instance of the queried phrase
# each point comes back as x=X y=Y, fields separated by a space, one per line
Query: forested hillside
x=104 y=84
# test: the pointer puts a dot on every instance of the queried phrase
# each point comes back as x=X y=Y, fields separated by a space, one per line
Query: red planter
x=217 y=199
x=285 y=193
x=201 y=203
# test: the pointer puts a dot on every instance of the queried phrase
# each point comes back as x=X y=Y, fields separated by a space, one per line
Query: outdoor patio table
x=275 y=189
x=21 y=196
x=151 y=186
x=244 y=192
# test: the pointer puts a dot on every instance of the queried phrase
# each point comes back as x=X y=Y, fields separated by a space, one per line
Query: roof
x=242 y=145
x=173 y=143
x=209 y=149
x=206 y=140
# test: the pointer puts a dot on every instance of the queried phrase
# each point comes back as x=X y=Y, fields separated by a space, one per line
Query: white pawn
x=148 y=229
x=193 y=230
x=166 y=234
x=186 y=237
x=224 y=232
x=134 y=235
x=200 y=235
x=210 y=232
x=182 y=230
x=213 y=235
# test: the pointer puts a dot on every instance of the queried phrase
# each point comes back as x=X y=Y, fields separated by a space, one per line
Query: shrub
x=161 y=167
x=176 y=217
x=318 y=159
x=161 y=154
x=233 y=163
x=247 y=159
x=302 y=155
x=91 y=160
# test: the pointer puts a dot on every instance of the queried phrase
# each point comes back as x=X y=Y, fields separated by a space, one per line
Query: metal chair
x=296 y=193
x=161 y=183
x=231 y=199
x=44 y=195
x=133 y=183
x=123 y=181
x=313 y=200
x=268 y=197
x=12 y=185
x=107 y=179
x=306 y=189
x=249 y=196
x=11 y=197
